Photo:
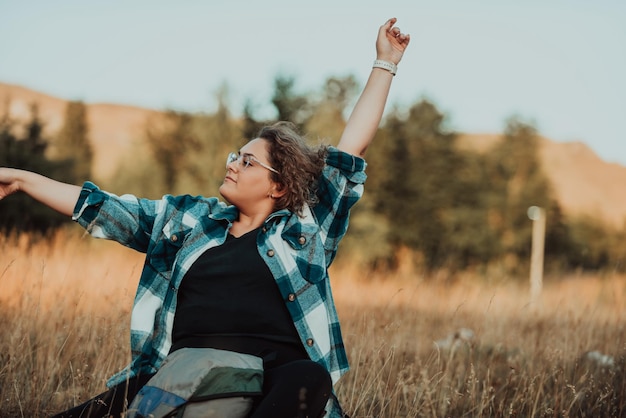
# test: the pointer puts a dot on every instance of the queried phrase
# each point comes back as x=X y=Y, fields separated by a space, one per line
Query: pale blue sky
x=559 y=64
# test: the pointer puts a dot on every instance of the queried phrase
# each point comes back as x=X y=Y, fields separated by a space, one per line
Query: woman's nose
x=234 y=165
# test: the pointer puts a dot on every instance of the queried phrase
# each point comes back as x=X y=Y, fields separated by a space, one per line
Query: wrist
x=26 y=180
x=385 y=65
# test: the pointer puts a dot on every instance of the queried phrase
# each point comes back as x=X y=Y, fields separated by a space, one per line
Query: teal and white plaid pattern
x=176 y=230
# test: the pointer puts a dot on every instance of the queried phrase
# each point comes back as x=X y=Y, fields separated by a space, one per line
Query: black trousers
x=297 y=389
x=113 y=402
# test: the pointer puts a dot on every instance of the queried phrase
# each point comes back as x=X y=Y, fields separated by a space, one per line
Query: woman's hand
x=8 y=182
x=391 y=42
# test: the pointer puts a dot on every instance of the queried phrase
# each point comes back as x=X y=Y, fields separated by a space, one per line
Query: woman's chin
x=223 y=190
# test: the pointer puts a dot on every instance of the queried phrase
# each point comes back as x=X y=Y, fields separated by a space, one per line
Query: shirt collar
x=229 y=213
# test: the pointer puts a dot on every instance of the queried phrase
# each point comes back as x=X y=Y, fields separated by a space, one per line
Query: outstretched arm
x=59 y=196
x=368 y=111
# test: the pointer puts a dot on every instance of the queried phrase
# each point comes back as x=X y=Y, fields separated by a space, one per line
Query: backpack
x=201 y=383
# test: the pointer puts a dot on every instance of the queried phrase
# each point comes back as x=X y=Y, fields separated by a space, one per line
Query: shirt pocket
x=308 y=251
x=164 y=252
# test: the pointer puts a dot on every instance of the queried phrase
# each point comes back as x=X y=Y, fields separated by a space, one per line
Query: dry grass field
x=419 y=347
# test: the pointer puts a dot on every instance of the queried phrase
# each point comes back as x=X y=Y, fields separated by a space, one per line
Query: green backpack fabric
x=201 y=382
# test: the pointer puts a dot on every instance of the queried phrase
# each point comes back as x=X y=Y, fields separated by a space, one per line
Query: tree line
x=428 y=202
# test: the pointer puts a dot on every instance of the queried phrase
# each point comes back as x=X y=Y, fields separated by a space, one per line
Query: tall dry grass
x=64 y=313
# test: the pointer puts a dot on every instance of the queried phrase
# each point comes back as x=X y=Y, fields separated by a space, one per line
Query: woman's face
x=246 y=187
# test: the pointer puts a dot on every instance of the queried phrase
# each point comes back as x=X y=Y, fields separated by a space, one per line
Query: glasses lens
x=232 y=157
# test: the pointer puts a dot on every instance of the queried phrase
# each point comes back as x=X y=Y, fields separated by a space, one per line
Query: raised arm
x=59 y=196
x=368 y=111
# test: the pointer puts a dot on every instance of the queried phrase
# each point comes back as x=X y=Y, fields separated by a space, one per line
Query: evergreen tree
x=519 y=181
x=290 y=106
x=72 y=145
x=433 y=195
x=171 y=140
x=217 y=135
x=250 y=125
x=27 y=151
x=416 y=188
x=327 y=121
x=468 y=239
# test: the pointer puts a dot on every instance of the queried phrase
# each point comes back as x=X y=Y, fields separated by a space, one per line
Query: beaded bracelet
x=386 y=65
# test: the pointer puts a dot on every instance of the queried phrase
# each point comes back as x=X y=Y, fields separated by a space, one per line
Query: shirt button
x=174 y=238
x=302 y=240
x=291 y=297
x=310 y=342
x=270 y=253
x=264 y=229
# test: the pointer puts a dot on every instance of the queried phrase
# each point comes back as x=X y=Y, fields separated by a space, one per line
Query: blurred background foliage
x=428 y=204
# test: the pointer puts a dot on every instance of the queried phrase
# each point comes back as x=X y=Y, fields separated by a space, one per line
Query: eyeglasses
x=246 y=159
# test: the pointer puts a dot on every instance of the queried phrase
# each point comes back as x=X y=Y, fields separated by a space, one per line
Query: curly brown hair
x=299 y=165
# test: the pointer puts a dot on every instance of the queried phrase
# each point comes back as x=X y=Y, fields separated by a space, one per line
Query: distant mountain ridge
x=584 y=183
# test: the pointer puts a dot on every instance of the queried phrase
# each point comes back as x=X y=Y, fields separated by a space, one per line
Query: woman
x=249 y=278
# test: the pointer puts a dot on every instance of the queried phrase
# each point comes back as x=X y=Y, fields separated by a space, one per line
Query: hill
x=584 y=183
x=113 y=129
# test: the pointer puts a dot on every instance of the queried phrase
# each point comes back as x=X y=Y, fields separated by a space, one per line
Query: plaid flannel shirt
x=176 y=230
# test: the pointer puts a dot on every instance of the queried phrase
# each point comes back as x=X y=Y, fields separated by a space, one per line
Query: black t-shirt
x=229 y=300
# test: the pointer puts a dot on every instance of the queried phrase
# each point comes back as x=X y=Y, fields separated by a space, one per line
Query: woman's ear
x=278 y=190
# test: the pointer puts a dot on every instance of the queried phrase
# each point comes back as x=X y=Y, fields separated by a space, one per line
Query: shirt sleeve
x=125 y=219
x=340 y=187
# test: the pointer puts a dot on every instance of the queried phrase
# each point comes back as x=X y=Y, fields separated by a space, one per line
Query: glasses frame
x=241 y=158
